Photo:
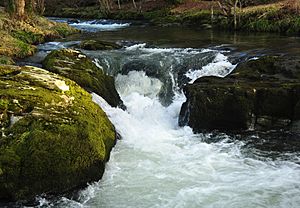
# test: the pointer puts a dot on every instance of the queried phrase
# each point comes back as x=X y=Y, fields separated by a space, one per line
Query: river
x=159 y=164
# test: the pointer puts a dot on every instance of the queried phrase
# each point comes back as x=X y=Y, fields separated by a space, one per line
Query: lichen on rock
x=53 y=138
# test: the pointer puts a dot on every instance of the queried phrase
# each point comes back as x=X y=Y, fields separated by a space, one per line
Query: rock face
x=260 y=94
x=98 y=45
x=53 y=138
x=77 y=67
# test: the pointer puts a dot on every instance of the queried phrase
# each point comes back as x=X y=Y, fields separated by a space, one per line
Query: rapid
x=159 y=164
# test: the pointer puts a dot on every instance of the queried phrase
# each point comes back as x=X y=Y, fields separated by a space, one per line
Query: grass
x=19 y=37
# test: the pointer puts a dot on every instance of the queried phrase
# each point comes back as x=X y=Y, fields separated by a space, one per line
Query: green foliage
x=28 y=37
x=25 y=49
x=6 y=60
x=10 y=7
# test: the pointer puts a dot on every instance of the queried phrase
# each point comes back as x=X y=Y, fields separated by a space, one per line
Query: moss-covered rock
x=53 y=138
x=260 y=94
x=76 y=66
x=98 y=45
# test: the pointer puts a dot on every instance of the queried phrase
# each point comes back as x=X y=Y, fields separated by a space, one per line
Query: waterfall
x=159 y=164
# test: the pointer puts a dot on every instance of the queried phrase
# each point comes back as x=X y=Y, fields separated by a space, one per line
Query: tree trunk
x=134 y=4
x=20 y=8
x=240 y=11
x=40 y=7
x=29 y=6
x=105 y=6
x=234 y=14
x=141 y=5
x=212 y=11
x=119 y=4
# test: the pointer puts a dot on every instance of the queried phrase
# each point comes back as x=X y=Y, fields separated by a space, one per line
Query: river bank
x=273 y=17
x=19 y=38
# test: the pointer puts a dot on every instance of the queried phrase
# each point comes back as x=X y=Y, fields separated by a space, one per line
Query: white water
x=219 y=67
x=94 y=26
x=158 y=164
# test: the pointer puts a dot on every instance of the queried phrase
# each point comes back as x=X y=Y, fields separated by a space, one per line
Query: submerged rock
x=76 y=66
x=260 y=94
x=98 y=45
x=53 y=137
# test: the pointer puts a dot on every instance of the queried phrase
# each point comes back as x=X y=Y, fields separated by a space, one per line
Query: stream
x=157 y=163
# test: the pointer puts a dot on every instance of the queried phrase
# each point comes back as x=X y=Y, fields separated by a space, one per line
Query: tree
x=229 y=9
x=16 y=8
x=105 y=6
x=29 y=6
x=134 y=4
x=21 y=8
x=40 y=6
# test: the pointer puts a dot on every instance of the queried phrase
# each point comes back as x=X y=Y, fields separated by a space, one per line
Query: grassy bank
x=274 y=17
x=18 y=38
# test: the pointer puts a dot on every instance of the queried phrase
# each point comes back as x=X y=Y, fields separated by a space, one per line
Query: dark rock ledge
x=261 y=95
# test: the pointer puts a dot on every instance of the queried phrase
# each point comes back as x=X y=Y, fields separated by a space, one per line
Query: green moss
x=76 y=66
x=60 y=140
x=6 y=60
x=25 y=49
x=28 y=37
x=98 y=45
x=19 y=37
x=64 y=29
x=3 y=104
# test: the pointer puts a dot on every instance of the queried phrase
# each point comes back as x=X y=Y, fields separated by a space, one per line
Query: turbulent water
x=94 y=25
x=159 y=164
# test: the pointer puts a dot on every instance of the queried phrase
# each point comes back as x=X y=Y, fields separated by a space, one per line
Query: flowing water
x=159 y=164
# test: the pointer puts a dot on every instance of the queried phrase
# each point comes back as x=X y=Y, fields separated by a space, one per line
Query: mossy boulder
x=98 y=45
x=76 y=66
x=53 y=137
x=261 y=94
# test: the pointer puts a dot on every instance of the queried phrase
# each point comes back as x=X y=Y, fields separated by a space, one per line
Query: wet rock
x=53 y=138
x=260 y=94
x=98 y=45
x=151 y=69
x=76 y=66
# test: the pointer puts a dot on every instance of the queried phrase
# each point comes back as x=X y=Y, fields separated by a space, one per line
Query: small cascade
x=159 y=164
